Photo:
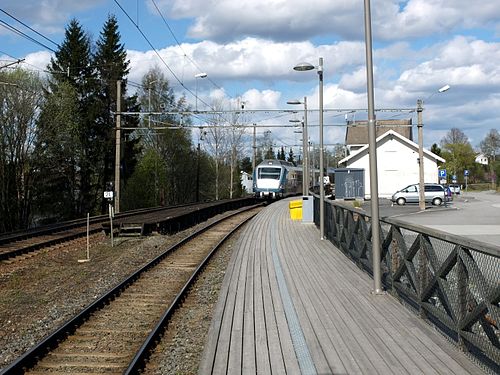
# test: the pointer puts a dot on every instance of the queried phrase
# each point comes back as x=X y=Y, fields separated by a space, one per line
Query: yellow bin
x=295 y=209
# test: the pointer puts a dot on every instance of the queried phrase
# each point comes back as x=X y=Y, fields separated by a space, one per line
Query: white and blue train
x=276 y=179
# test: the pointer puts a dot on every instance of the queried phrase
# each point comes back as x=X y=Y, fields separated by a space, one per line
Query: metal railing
x=450 y=281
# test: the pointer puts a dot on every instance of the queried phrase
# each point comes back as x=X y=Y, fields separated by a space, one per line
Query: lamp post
x=304 y=67
x=199 y=75
x=305 y=146
x=420 y=126
x=372 y=142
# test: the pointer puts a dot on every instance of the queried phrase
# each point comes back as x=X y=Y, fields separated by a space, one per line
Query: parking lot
x=474 y=215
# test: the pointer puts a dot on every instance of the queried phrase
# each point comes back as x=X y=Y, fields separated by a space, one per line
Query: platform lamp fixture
x=305 y=146
x=420 y=125
x=199 y=75
x=301 y=68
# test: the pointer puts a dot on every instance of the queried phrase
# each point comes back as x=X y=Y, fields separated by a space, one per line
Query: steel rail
x=31 y=357
x=143 y=353
x=66 y=227
x=10 y=237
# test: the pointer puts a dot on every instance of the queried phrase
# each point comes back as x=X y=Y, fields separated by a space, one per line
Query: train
x=274 y=179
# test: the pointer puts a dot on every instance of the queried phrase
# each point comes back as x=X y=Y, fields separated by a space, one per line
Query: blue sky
x=249 y=47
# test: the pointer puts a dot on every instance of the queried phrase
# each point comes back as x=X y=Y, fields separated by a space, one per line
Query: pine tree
x=270 y=153
x=281 y=154
x=291 y=157
x=111 y=64
x=71 y=73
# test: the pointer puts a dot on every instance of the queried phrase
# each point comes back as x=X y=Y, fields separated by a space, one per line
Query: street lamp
x=372 y=147
x=420 y=125
x=301 y=68
x=199 y=75
x=305 y=146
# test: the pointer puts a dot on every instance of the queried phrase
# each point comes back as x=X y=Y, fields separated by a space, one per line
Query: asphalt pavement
x=474 y=215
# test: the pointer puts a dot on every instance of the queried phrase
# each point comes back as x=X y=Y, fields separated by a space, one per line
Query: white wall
x=397 y=167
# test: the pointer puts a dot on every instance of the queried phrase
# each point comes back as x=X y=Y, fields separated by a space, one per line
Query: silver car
x=434 y=193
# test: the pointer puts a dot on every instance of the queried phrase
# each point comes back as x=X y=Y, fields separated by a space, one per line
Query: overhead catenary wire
x=30 y=28
x=157 y=53
x=180 y=47
x=24 y=35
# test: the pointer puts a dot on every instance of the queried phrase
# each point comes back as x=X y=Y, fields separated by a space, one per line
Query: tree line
x=459 y=154
x=57 y=138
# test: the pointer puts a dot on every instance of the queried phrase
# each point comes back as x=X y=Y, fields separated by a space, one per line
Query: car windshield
x=410 y=189
x=271 y=173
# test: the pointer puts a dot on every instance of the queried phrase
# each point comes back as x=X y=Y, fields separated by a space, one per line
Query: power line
x=25 y=25
x=159 y=56
x=180 y=47
x=154 y=49
x=26 y=36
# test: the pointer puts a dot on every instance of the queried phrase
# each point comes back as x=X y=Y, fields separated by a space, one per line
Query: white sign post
x=466 y=175
x=109 y=195
x=88 y=241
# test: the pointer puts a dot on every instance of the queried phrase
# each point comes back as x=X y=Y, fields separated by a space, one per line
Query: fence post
x=422 y=276
x=462 y=298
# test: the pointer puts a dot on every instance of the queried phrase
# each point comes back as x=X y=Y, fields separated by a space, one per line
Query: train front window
x=271 y=173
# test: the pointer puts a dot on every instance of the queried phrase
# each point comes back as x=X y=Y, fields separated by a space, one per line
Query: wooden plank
x=235 y=360
x=211 y=345
x=225 y=318
x=249 y=358
x=313 y=345
x=333 y=335
x=261 y=346
x=274 y=344
x=288 y=351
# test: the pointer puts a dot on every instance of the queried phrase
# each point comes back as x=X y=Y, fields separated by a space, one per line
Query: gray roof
x=357 y=131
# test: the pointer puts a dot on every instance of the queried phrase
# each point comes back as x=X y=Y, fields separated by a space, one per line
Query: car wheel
x=401 y=201
x=437 y=201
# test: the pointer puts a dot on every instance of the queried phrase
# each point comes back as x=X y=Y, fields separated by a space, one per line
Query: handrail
x=452 y=282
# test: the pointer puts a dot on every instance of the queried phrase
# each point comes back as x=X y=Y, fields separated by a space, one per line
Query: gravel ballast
x=39 y=293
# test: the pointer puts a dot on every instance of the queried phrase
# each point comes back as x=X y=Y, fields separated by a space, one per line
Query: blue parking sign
x=466 y=172
x=442 y=173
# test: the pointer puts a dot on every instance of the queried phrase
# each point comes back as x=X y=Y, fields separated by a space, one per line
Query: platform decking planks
x=347 y=329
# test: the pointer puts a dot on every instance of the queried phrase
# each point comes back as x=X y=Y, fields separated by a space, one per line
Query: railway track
x=22 y=242
x=15 y=244
x=116 y=332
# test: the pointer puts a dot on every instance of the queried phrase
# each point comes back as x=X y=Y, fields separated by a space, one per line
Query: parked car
x=455 y=188
x=433 y=193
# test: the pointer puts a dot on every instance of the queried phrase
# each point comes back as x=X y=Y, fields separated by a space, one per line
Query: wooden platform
x=292 y=304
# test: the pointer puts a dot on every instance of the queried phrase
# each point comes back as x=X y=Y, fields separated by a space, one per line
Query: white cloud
x=462 y=61
x=265 y=99
x=281 y=20
x=247 y=59
x=46 y=16
x=299 y=20
x=426 y=17
x=38 y=60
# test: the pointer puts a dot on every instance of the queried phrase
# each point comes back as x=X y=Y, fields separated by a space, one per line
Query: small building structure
x=481 y=159
x=397 y=163
x=246 y=182
x=349 y=183
x=356 y=136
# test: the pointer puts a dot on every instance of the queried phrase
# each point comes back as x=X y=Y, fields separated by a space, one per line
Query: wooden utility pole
x=118 y=145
